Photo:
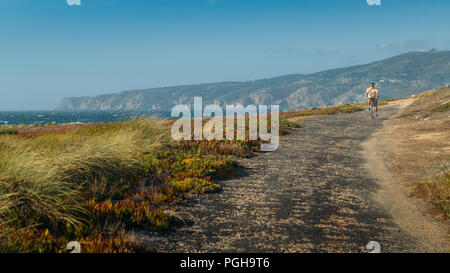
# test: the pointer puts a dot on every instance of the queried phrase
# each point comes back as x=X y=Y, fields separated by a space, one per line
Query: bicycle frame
x=372 y=109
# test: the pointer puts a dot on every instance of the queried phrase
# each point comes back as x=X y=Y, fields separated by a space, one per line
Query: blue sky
x=50 y=50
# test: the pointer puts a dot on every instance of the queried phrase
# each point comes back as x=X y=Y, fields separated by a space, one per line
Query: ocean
x=66 y=117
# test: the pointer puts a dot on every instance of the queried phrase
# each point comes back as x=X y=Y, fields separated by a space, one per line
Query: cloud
x=73 y=2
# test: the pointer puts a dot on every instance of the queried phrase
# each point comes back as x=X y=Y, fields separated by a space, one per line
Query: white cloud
x=73 y=2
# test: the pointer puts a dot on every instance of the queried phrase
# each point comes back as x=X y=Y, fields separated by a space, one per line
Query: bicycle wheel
x=372 y=110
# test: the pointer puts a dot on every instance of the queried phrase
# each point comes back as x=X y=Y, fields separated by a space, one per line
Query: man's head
x=372 y=84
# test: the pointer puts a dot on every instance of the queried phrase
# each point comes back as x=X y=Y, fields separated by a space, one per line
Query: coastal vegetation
x=96 y=183
x=93 y=183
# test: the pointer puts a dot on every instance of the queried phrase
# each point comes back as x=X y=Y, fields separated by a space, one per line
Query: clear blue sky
x=50 y=50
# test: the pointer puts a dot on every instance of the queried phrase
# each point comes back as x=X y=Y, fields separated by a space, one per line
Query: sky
x=50 y=49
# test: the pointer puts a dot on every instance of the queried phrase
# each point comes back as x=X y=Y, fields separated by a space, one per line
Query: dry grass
x=432 y=103
x=44 y=178
x=436 y=191
x=441 y=108
x=68 y=182
x=332 y=110
x=422 y=145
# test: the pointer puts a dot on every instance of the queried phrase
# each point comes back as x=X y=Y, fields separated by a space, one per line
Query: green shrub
x=8 y=132
x=196 y=185
x=442 y=108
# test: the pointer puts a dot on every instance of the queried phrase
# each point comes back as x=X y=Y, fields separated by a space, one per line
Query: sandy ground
x=409 y=214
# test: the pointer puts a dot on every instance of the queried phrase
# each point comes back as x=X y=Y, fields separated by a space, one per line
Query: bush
x=436 y=191
x=8 y=132
x=44 y=179
x=51 y=175
x=130 y=213
x=196 y=185
x=442 y=108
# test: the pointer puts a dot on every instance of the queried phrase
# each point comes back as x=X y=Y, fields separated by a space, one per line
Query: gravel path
x=311 y=195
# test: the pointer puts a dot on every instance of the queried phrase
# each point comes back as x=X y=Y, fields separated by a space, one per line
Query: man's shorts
x=375 y=101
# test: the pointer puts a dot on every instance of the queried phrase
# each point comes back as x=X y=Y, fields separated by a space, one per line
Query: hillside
x=419 y=149
x=399 y=76
x=412 y=160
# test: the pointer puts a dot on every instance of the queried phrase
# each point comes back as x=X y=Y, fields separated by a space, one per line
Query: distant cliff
x=400 y=76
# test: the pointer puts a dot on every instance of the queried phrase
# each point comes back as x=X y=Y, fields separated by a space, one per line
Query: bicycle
x=372 y=108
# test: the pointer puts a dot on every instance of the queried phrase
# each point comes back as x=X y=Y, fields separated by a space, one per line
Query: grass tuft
x=8 y=131
x=442 y=108
x=436 y=191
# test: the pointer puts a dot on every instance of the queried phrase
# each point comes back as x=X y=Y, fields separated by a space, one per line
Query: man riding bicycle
x=373 y=94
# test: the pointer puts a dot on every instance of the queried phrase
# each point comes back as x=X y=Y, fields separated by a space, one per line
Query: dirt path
x=408 y=213
x=314 y=194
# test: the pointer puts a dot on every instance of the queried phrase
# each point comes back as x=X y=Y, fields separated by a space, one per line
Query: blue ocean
x=67 y=117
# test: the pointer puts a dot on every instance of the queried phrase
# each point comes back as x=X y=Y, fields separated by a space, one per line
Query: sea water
x=67 y=117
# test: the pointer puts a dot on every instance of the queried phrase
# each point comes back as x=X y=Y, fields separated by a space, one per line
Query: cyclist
x=373 y=94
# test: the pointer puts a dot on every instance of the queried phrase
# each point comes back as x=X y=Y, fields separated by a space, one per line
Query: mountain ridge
x=399 y=76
